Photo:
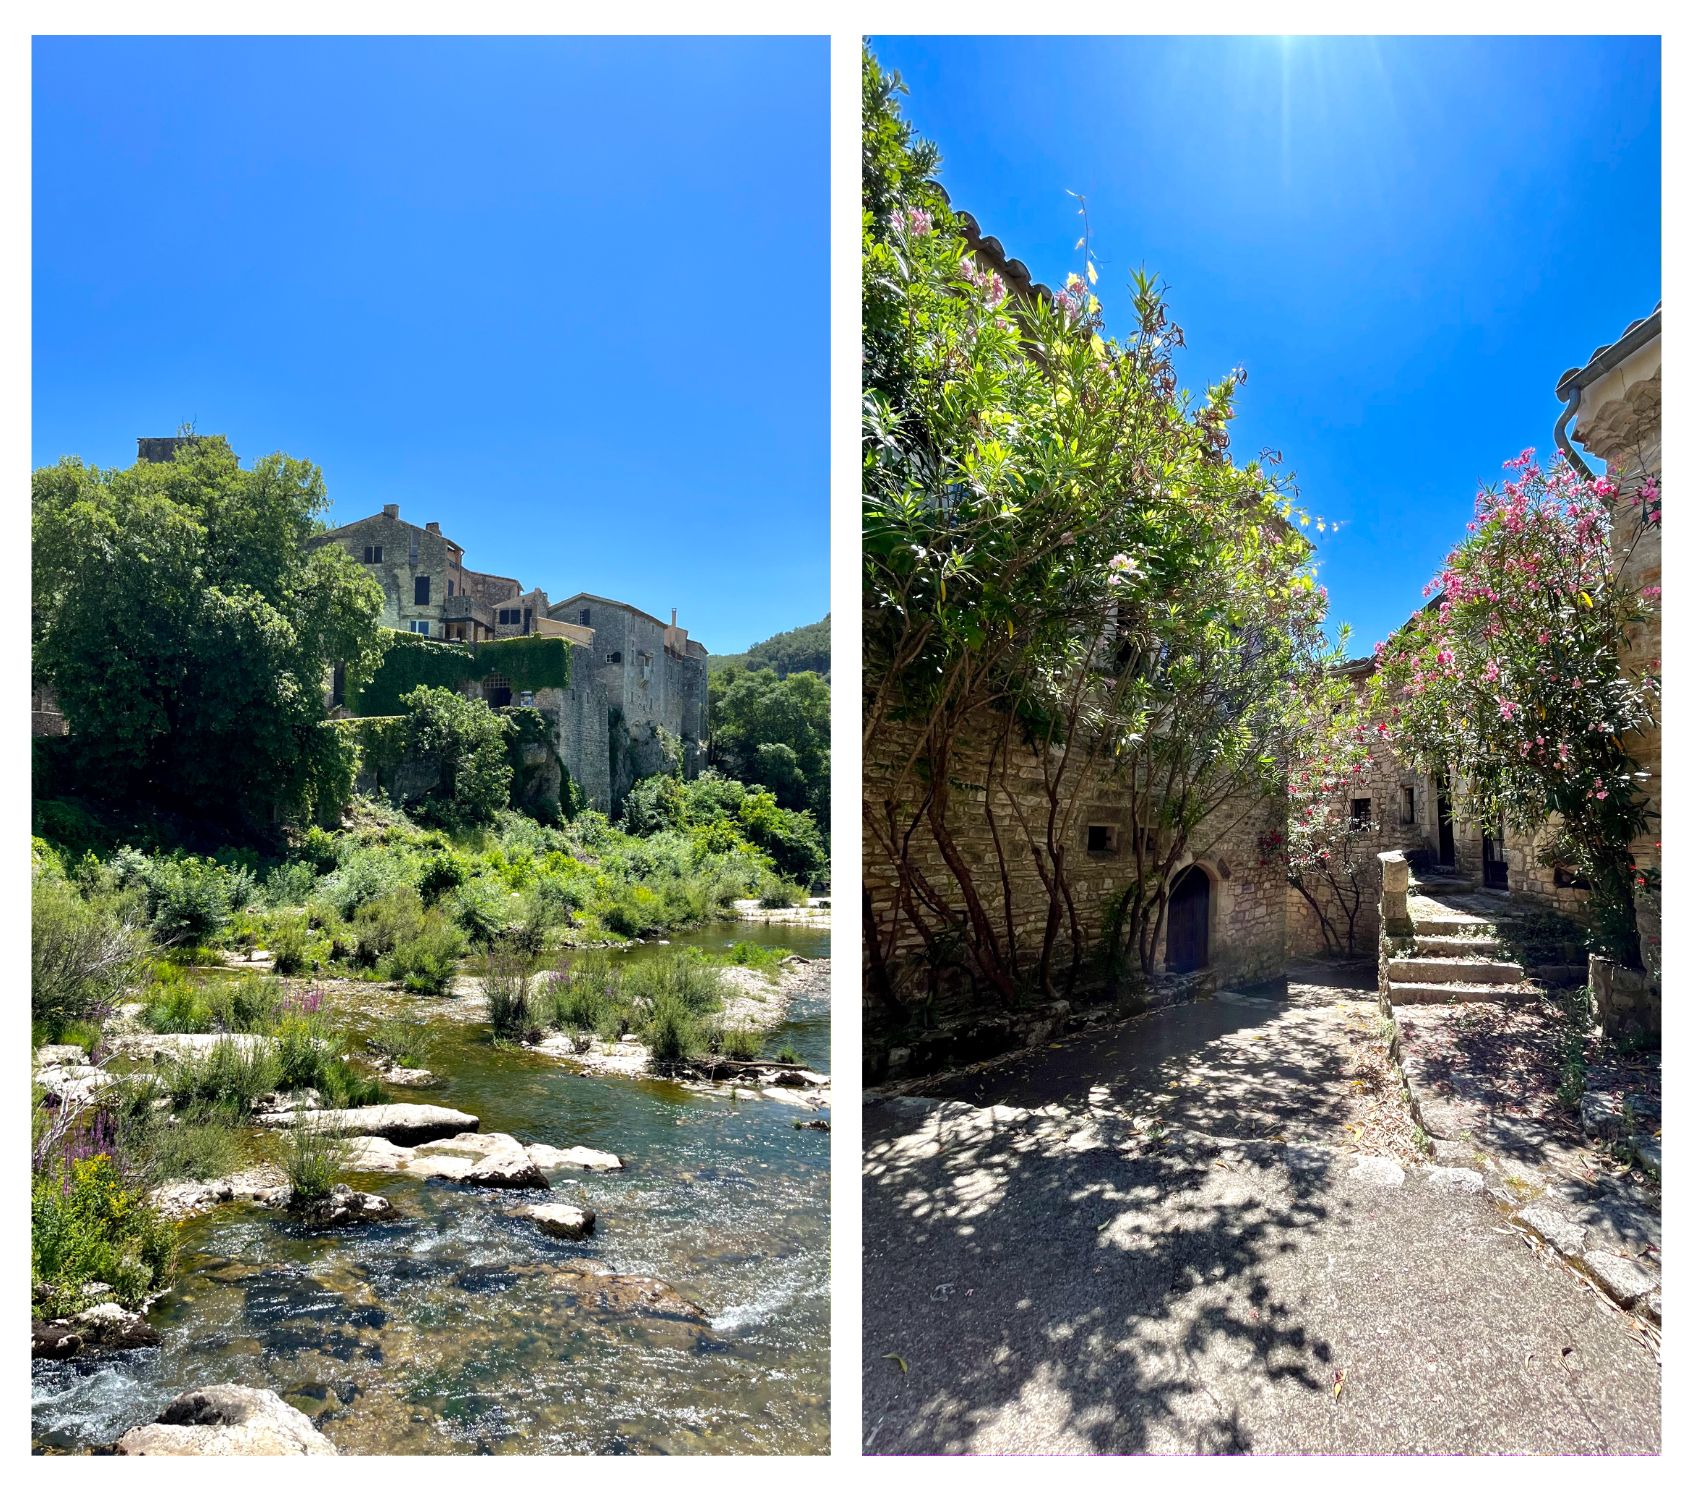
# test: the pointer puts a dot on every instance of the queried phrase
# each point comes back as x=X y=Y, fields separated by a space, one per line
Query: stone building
x=1613 y=410
x=1612 y=407
x=635 y=683
x=1226 y=922
x=654 y=676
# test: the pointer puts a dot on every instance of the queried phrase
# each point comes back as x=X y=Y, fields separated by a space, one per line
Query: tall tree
x=189 y=634
x=1063 y=565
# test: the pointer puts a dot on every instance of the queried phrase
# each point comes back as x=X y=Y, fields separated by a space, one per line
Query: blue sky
x=568 y=298
x=1404 y=242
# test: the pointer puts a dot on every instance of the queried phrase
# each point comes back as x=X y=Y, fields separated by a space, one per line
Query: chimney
x=434 y=528
x=391 y=509
x=673 y=617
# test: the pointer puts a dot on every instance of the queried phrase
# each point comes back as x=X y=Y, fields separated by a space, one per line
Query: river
x=444 y=1330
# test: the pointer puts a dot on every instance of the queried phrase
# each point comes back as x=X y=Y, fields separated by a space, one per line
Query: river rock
x=597 y=1287
x=791 y=1076
x=227 y=1419
x=61 y=1055
x=494 y=1159
x=307 y=1099
x=113 y=1327
x=545 y=1156
x=573 y=1223
x=406 y=1123
x=264 y=1184
x=161 y=1048
x=53 y=1340
x=67 y=1083
x=408 y=1076
x=343 y=1206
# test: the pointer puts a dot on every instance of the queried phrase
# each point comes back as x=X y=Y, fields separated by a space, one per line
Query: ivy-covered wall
x=529 y=662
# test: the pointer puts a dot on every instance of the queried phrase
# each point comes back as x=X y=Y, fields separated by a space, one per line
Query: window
x=528 y=617
x=420 y=627
x=420 y=590
x=1407 y=805
x=338 y=685
x=449 y=589
x=373 y=553
x=646 y=661
x=1102 y=838
x=582 y=617
x=497 y=691
x=614 y=657
x=510 y=617
x=1360 y=812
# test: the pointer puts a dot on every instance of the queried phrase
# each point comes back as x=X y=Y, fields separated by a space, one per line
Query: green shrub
x=382 y=924
x=756 y=955
x=427 y=963
x=683 y=978
x=481 y=908
x=313 y=1161
x=672 y=1032
x=291 y=883
x=172 y=1005
x=634 y=910
x=788 y=1054
x=83 y=955
x=246 y=1004
x=294 y=951
x=401 y=1041
x=740 y=1042
x=87 y=1225
x=233 y=1073
x=442 y=871
x=200 y=1142
x=778 y=894
x=505 y=984
x=190 y=901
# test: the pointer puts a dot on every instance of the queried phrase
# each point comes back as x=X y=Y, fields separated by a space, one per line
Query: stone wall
x=409 y=553
x=1248 y=902
x=1620 y=420
x=653 y=679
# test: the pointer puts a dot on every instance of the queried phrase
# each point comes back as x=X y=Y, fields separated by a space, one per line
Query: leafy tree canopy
x=187 y=632
x=774 y=731
x=805 y=649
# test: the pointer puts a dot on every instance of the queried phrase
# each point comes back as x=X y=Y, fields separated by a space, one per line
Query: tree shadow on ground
x=1117 y=1238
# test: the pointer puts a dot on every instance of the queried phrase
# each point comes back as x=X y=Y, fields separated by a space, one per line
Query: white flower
x=1121 y=567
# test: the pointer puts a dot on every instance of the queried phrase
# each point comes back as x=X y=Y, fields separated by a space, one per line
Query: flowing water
x=447 y=1330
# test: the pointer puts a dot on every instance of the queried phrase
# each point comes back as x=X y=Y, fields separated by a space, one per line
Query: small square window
x=421 y=628
x=373 y=553
x=1360 y=812
x=1102 y=838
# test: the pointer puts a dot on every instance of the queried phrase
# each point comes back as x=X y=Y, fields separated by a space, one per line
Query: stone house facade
x=633 y=680
x=1613 y=408
x=654 y=676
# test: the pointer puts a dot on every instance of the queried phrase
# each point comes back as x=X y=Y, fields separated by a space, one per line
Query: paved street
x=1205 y=1231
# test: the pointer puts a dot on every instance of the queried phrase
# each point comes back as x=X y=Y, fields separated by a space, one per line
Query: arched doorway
x=1187 y=943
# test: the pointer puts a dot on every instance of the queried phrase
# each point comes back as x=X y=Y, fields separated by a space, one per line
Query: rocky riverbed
x=581 y=1265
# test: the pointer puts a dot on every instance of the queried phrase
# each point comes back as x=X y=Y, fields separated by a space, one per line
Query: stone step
x=1457 y=946
x=1451 y=970
x=1460 y=993
x=1450 y=924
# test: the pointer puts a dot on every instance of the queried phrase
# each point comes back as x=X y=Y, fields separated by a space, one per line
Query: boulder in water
x=406 y=1123
x=547 y=1157
x=573 y=1223
x=227 y=1419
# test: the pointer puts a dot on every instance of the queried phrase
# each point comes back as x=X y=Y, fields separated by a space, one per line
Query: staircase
x=1454 y=952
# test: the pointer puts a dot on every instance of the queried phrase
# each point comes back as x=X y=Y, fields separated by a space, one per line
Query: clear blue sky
x=568 y=298
x=1404 y=242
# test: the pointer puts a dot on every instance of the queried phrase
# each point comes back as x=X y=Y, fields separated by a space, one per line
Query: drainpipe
x=1639 y=333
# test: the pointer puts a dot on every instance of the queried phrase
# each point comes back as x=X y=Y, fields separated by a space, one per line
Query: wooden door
x=1187 y=946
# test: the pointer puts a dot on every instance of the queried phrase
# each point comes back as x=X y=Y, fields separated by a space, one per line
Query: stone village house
x=637 y=686
x=1234 y=920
